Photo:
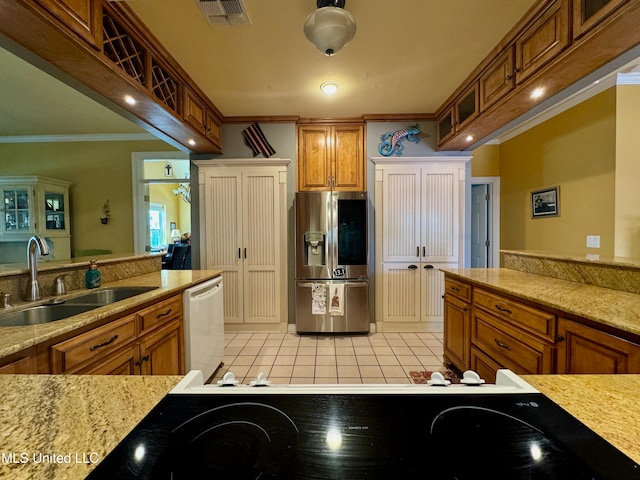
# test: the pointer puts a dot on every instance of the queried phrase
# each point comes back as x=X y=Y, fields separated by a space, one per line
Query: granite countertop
x=89 y=415
x=15 y=339
x=610 y=307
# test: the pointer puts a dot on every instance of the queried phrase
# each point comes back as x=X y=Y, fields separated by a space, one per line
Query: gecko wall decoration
x=391 y=140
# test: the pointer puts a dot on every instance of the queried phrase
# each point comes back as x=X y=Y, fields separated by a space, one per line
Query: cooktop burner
x=269 y=434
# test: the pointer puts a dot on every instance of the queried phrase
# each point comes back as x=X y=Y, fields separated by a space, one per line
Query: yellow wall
x=486 y=161
x=98 y=171
x=627 y=217
x=576 y=151
x=176 y=209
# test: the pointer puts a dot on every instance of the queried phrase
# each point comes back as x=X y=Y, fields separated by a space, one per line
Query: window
x=157 y=227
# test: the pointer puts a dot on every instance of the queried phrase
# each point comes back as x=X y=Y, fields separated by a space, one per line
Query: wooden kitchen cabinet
x=148 y=342
x=457 y=330
x=21 y=362
x=331 y=157
x=82 y=17
x=582 y=349
x=588 y=14
x=510 y=346
x=465 y=109
x=543 y=40
x=73 y=355
x=161 y=352
x=198 y=115
x=498 y=80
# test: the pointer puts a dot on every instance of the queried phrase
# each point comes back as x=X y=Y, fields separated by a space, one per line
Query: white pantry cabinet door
x=401 y=301
x=440 y=215
x=224 y=238
x=401 y=215
x=261 y=247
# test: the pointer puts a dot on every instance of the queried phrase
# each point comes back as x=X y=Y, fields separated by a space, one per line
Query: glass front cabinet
x=36 y=206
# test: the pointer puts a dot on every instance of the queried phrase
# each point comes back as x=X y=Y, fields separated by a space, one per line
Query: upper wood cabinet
x=543 y=40
x=331 y=157
x=464 y=110
x=554 y=45
x=589 y=13
x=498 y=80
x=82 y=17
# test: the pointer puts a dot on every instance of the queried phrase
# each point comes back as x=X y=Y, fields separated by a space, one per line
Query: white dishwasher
x=204 y=326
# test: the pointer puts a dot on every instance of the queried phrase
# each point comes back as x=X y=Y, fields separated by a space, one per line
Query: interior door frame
x=493 y=229
x=140 y=215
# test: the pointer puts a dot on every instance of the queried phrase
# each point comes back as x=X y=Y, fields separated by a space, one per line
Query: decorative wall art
x=391 y=141
x=545 y=203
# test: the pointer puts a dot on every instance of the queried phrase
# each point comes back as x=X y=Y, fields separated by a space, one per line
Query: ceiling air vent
x=224 y=12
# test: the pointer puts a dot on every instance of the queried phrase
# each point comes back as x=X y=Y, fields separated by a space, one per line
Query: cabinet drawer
x=160 y=313
x=530 y=319
x=509 y=346
x=67 y=355
x=483 y=365
x=457 y=289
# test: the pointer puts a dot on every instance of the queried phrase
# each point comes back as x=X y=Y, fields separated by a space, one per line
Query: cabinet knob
x=559 y=338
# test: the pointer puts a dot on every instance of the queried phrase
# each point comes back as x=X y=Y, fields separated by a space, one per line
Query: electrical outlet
x=593 y=241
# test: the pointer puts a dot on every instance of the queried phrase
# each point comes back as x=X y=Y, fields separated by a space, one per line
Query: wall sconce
x=106 y=212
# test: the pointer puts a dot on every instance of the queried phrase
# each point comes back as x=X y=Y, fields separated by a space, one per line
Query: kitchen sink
x=42 y=314
x=57 y=311
x=108 y=295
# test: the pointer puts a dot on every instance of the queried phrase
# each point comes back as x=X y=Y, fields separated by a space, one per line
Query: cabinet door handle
x=245 y=252
x=412 y=267
x=164 y=314
x=417 y=251
x=142 y=360
x=239 y=252
x=503 y=309
x=501 y=344
x=104 y=344
x=424 y=251
x=455 y=289
x=559 y=338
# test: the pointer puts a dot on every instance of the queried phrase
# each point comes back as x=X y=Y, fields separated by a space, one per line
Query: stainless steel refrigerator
x=332 y=275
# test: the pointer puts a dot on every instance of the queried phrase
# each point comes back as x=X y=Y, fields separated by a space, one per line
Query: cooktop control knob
x=437 y=379
x=471 y=378
x=228 y=380
x=261 y=381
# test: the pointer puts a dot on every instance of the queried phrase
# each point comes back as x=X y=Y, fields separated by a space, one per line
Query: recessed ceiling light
x=191 y=141
x=329 y=87
x=469 y=138
x=129 y=99
x=537 y=93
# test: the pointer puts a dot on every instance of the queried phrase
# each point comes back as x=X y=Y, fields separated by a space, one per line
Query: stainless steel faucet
x=36 y=245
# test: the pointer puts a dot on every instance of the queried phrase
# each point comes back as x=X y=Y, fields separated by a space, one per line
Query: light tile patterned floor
x=292 y=358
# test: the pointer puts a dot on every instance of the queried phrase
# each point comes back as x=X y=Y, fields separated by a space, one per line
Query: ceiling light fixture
x=329 y=88
x=330 y=27
x=469 y=138
x=191 y=141
x=129 y=99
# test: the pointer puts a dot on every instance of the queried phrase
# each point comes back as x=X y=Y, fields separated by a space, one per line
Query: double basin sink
x=50 y=312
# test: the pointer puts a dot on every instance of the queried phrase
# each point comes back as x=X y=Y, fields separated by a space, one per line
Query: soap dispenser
x=93 y=277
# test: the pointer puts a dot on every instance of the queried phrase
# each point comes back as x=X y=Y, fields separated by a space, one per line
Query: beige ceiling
x=407 y=56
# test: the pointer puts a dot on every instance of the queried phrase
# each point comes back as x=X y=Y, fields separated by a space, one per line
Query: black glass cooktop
x=340 y=436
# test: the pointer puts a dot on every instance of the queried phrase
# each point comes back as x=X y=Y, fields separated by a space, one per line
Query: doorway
x=485 y=222
x=161 y=200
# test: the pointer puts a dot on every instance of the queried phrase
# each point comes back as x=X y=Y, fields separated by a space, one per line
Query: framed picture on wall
x=545 y=202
